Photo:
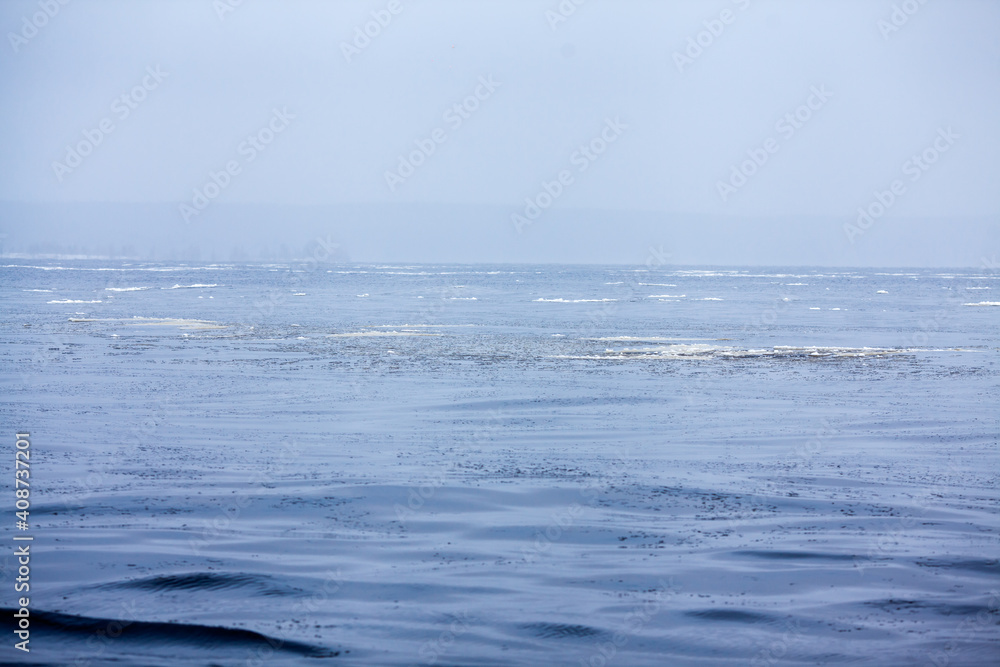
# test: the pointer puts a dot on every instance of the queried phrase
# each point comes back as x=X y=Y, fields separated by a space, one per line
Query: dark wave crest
x=156 y=638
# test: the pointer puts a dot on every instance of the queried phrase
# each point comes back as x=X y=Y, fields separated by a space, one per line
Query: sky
x=795 y=132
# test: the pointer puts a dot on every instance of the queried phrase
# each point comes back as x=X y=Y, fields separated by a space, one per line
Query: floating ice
x=701 y=351
x=575 y=300
x=376 y=334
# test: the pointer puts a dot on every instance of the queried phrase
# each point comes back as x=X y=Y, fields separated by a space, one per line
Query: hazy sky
x=830 y=101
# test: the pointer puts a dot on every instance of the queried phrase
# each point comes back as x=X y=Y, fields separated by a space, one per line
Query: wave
x=159 y=637
x=562 y=630
x=204 y=581
x=981 y=303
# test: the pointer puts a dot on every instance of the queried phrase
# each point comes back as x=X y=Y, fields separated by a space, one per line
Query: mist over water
x=741 y=132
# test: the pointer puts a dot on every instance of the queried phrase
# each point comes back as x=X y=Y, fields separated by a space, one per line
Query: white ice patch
x=174 y=322
x=378 y=334
x=643 y=339
x=698 y=351
x=574 y=300
x=156 y=321
x=418 y=326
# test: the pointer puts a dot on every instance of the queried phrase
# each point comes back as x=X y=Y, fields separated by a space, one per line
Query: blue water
x=243 y=464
